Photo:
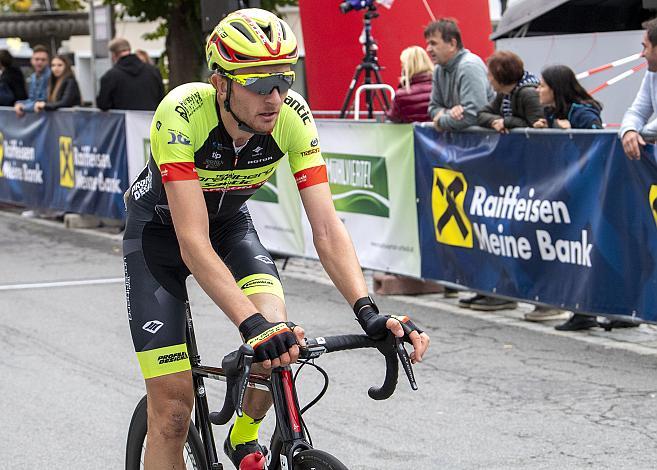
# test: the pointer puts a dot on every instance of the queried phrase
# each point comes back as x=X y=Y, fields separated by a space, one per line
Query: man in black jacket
x=130 y=83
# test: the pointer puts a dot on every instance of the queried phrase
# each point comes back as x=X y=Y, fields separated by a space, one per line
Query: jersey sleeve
x=172 y=143
x=301 y=142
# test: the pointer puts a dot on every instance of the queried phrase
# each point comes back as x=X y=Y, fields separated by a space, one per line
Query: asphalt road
x=492 y=396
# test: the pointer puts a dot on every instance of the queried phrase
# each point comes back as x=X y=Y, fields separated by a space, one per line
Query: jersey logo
x=264 y=259
x=158 y=124
x=301 y=110
x=452 y=226
x=152 y=326
x=178 y=138
x=257 y=151
x=314 y=142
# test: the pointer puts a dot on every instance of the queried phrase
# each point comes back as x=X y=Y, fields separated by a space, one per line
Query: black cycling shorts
x=155 y=277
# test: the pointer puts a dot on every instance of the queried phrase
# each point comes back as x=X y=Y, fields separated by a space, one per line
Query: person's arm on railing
x=489 y=113
x=472 y=85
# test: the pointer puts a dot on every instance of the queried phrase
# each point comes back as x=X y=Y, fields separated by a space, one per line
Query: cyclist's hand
x=376 y=327
x=402 y=326
x=274 y=343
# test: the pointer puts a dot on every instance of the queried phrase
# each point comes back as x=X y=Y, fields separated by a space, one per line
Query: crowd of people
x=133 y=82
x=501 y=95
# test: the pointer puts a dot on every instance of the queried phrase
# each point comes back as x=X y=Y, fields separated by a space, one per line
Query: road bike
x=291 y=446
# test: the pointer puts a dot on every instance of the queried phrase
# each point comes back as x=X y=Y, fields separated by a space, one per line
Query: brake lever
x=405 y=362
x=243 y=380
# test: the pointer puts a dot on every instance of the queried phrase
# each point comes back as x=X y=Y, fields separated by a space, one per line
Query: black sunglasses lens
x=265 y=85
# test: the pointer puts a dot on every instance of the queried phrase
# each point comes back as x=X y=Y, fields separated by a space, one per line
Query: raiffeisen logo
x=66 y=166
x=451 y=224
x=358 y=183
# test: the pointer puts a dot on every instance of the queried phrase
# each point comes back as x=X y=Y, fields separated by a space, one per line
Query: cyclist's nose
x=274 y=97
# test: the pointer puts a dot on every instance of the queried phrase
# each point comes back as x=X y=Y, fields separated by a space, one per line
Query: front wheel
x=193 y=452
x=314 y=459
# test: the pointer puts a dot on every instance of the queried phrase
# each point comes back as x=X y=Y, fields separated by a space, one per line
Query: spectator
x=516 y=103
x=12 y=82
x=460 y=87
x=130 y=83
x=412 y=98
x=459 y=90
x=38 y=81
x=63 y=90
x=568 y=104
x=143 y=56
x=644 y=106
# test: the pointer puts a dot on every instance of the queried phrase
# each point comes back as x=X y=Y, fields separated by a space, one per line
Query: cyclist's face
x=259 y=112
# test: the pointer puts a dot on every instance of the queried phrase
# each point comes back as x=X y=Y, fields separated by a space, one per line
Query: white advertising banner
x=138 y=140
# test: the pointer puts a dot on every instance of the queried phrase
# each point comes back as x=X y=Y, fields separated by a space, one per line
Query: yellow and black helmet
x=250 y=37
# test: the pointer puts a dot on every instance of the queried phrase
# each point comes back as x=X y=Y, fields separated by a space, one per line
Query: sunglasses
x=264 y=83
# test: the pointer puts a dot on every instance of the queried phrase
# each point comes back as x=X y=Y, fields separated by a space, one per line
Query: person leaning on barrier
x=130 y=83
x=63 y=89
x=412 y=97
x=516 y=103
x=12 y=82
x=635 y=120
x=567 y=104
x=37 y=83
x=460 y=87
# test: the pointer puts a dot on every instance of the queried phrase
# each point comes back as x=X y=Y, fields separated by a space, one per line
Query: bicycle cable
x=316 y=399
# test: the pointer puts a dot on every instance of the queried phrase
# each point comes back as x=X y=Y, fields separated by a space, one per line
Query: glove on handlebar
x=374 y=325
x=269 y=340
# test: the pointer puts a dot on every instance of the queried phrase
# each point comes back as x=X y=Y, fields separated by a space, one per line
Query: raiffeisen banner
x=559 y=218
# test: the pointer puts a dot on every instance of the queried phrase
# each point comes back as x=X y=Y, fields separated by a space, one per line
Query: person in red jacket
x=411 y=102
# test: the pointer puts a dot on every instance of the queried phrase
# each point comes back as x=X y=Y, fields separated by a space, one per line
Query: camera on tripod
x=355 y=5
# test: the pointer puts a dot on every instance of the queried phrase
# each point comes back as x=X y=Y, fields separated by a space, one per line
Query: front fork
x=289 y=437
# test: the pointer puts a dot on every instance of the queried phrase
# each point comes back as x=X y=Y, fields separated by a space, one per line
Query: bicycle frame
x=289 y=436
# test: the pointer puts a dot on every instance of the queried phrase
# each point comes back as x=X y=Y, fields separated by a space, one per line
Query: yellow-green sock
x=245 y=429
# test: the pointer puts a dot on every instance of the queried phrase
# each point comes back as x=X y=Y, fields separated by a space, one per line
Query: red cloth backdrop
x=333 y=50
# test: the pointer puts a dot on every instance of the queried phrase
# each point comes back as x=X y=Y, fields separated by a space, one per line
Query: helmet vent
x=282 y=29
x=222 y=50
x=245 y=32
x=267 y=31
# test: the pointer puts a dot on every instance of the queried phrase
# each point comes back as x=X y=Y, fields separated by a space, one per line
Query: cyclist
x=212 y=146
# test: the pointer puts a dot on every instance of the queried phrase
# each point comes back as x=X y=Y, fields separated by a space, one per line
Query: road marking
x=80 y=282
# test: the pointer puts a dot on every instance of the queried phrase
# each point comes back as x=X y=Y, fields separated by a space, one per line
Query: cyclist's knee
x=170 y=402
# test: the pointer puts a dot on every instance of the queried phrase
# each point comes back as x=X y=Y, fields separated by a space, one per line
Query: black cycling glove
x=269 y=340
x=374 y=325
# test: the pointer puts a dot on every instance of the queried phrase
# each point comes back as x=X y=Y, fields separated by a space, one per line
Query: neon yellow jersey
x=189 y=142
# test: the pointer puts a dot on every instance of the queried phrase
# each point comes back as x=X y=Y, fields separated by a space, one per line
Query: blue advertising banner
x=74 y=161
x=562 y=219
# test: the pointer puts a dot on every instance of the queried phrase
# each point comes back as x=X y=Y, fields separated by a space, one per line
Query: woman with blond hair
x=411 y=102
x=63 y=90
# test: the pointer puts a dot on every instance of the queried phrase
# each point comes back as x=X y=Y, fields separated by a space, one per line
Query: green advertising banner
x=371 y=173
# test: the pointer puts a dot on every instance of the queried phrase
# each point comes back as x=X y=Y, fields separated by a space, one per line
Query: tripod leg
x=350 y=92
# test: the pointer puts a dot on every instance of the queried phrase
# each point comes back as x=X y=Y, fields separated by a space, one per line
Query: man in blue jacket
x=38 y=81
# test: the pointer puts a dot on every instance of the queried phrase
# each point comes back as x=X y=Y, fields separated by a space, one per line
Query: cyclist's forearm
x=217 y=281
x=337 y=254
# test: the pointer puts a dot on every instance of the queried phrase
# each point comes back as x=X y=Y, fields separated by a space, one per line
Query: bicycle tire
x=314 y=459
x=194 y=451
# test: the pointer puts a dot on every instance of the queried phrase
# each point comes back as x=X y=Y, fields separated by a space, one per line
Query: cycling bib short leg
x=155 y=277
